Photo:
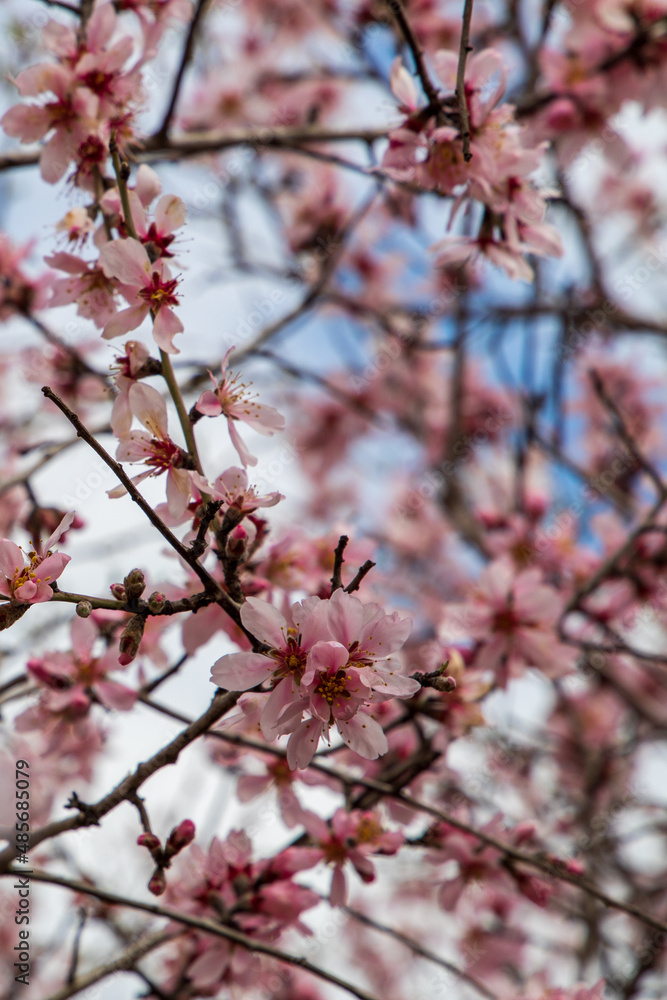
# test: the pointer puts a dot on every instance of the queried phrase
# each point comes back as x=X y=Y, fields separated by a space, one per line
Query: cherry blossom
x=70 y=683
x=512 y=617
x=236 y=403
x=149 y=288
x=154 y=448
x=168 y=215
x=352 y=836
x=29 y=583
x=232 y=487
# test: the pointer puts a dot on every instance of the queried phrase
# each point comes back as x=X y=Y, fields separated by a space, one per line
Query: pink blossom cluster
x=259 y=898
x=427 y=150
x=69 y=683
x=86 y=96
x=327 y=663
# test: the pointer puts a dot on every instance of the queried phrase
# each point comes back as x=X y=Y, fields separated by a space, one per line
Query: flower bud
x=118 y=591
x=237 y=542
x=84 y=609
x=158 y=882
x=148 y=840
x=130 y=639
x=135 y=584
x=180 y=837
x=445 y=684
x=156 y=601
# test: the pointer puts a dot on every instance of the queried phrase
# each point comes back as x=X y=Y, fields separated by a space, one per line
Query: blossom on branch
x=148 y=287
x=234 y=401
x=316 y=680
x=154 y=448
x=30 y=583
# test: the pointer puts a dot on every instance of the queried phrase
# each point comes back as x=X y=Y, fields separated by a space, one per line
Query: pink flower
x=513 y=616
x=30 y=584
x=70 y=115
x=128 y=365
x=236 y=403
x=289 y=638
x=350 y=837
x=370 y=637
x=77 y=224
x=70 y=681
x=149 y=287
x=169 y=213
x=259 y=898
x=155 y=449
x=88 y=286
x=276 y=774
x=232 y=487
x=429 y=152
x=329 y=661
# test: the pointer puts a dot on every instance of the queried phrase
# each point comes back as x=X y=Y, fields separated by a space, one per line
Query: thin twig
x=223 y=599
x=361 y=573
x=397 y=9
x=336 y=581
x=188 y=52
x=464 y=49
x=222 y=702
x=74 y=961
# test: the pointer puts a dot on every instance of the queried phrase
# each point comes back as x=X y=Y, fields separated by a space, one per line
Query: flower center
x=332 y=686
x=292 y=659
x=164 y=455
x=160 y=293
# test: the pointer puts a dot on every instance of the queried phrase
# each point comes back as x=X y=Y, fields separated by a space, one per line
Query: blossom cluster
x=327 y=662
x=427 y=150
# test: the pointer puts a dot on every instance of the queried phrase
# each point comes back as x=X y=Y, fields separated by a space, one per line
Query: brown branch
x=397 y=9
x=90 y=815
x=211 y=585
x=122 y=963
x=188 y=52
x=336 y=581
x=63 y=5
x=185 y=145
x=201 y=924
x=464 y=49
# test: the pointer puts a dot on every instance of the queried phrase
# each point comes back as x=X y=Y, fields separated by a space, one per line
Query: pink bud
x=156 y=601
x=118 y=591
x=180 y=837
x=158 y=882
x=148 y=840
x=130 y=639
x=237 y=542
